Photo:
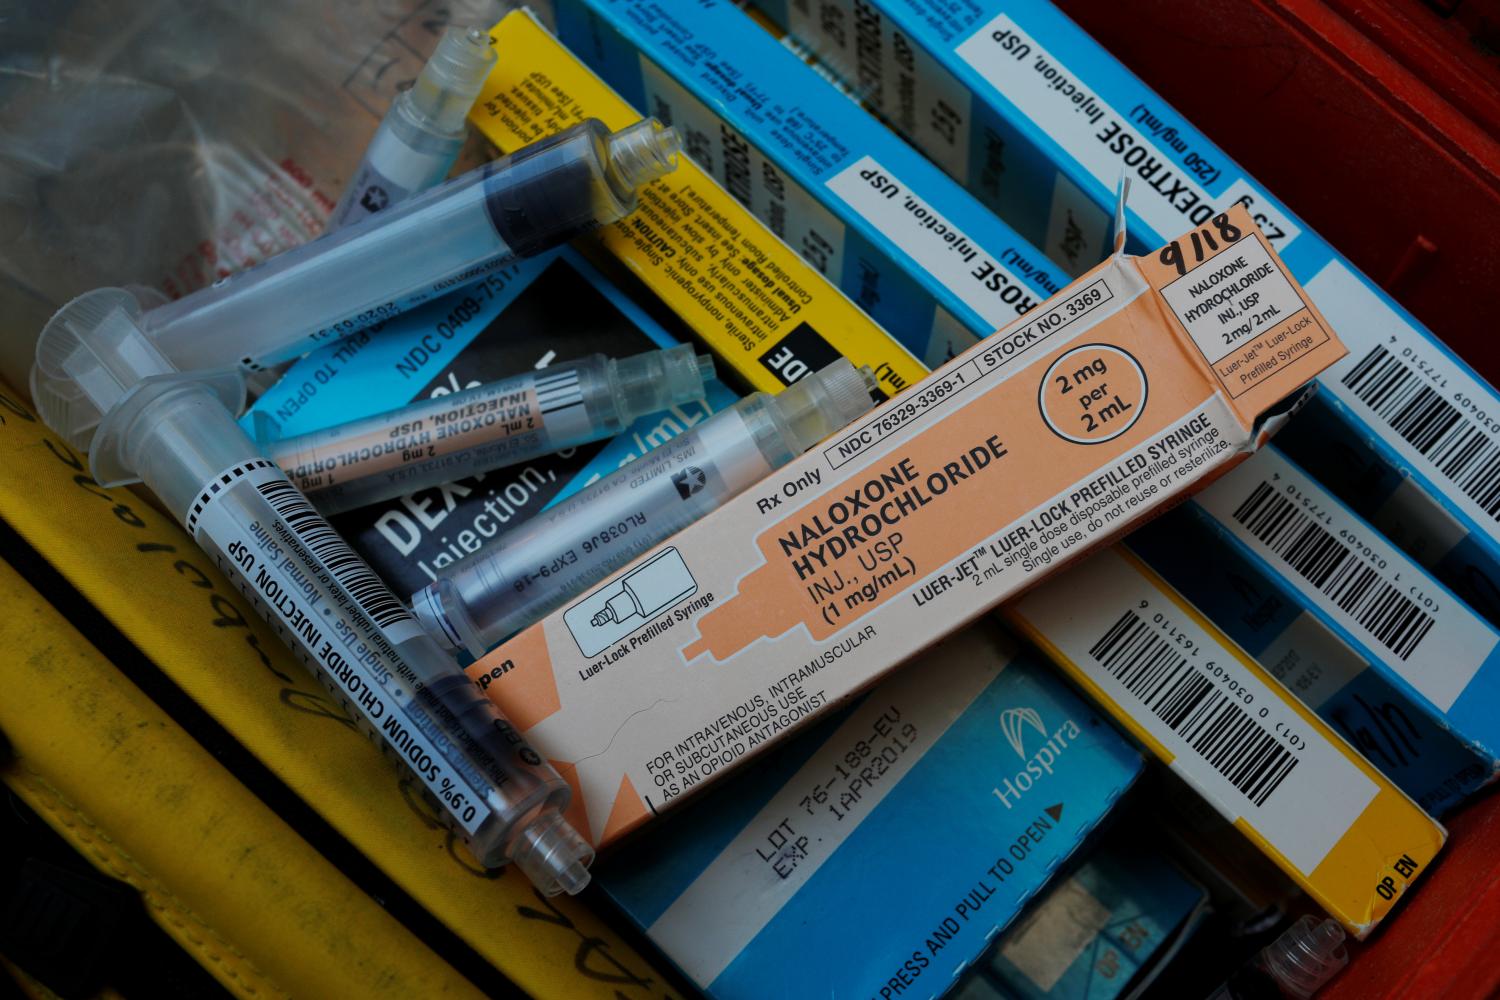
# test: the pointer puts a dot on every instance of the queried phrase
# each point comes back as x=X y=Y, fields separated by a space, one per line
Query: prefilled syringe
x=517 y=206
x=438 y=440
x=175 y=433
x=533 y=569
x=422 y=133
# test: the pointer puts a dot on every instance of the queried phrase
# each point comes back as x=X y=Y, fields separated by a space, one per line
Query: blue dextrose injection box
x=915 y=250
x=1022 y=107
x=1365 y=637
x=957 y=786
x=533 y=313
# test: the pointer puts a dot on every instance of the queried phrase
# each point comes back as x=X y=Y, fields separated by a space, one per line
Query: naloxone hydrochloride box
x=1020 y=105
x=1333 y=823
x=1060 y=431
x=919 y=253
x=968 y=776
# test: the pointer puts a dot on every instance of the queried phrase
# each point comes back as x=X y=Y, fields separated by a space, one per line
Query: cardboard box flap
x=1238 y=309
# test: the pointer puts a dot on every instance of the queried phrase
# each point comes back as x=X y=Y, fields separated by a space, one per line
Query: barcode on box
x=1192 y=706
x=1232 y=732
x=374 y=597
x=1347 y=574
x=1352 y=583
x=1459 y=449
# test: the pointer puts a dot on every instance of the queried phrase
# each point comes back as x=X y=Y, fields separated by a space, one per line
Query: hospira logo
x=1011 y=722
x=1016 y=724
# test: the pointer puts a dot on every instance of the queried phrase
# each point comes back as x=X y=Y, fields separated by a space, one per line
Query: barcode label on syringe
x=1352 y=583
x=1461 y=450
x=374 y=597
x=281 y=555
x=1184 y=698
x=1235 y=735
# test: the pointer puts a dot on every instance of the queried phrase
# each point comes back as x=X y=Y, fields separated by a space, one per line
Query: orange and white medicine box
x=1129 y=389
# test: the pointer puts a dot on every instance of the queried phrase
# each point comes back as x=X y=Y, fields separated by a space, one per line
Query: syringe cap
x=553 y=855
x=445 y=89
x=1306 y=955
x=91 y=359
x=642 y=152
x=659 y=380
x=462 y=60
x=820 y=403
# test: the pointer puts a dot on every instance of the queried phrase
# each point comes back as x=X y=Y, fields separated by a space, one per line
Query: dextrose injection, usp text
x=435 y=441
x=175 y=432
x=518 y=206
x=524 y=573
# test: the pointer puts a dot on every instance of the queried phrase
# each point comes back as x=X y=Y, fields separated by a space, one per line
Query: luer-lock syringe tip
x=644 y=151
x=445 y=89
x=553 y=855
x=1306 y=956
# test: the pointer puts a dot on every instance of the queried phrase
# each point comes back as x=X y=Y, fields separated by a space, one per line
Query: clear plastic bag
x=166 y=143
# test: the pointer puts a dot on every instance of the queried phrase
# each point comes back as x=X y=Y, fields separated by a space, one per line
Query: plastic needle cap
x=1306 y=956
x=643 y=152
x=818 y=404
x=446 y=88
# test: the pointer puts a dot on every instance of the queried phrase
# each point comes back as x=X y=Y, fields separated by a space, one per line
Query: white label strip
x=937 y=244
x=1105 y=141
x=1311 y=660
x=1367 y=585
x=1233 y=737
x=1228 y=300
x=350 y=653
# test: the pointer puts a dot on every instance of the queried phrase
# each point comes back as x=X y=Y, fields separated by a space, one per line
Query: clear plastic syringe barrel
x=436 y=441
x=422 y=133
x=535 y=568
x=536 y=198
x=352 y=633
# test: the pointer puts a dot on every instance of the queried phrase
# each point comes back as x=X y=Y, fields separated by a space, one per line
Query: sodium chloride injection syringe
x=518 y=206
x=533 y=569
x=435 y=441
x=424 y=130
x=175 y=432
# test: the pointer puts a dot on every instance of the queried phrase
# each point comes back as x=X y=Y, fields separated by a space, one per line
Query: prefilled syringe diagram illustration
x=646 y=590
x=619 y=608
